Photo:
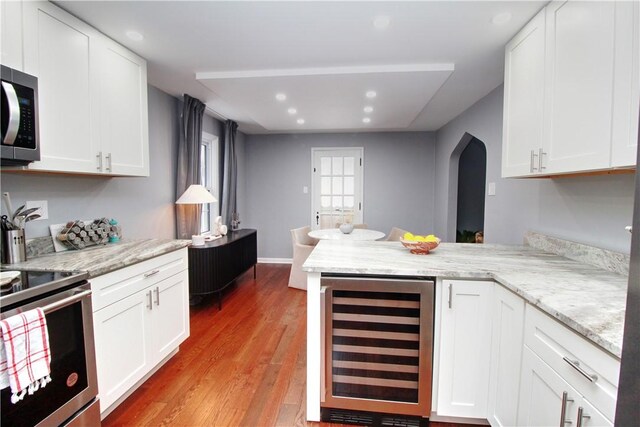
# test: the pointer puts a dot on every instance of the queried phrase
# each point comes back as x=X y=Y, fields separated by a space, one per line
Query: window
x=209 y=177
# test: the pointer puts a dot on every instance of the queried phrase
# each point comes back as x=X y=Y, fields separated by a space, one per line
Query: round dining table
x=356 y=234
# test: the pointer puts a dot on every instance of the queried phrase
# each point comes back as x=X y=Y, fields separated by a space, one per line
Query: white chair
x=395 y=234
x=302 y=247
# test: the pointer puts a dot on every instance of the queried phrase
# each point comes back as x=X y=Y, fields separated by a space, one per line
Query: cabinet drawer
x=574 y=359
x=119 y=284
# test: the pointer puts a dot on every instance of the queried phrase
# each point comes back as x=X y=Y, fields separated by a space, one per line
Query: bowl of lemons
x=420 y=245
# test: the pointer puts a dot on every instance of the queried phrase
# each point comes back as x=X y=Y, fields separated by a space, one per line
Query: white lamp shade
x=196 y=194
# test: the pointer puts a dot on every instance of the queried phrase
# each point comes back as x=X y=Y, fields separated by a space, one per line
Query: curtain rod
x=213 y=112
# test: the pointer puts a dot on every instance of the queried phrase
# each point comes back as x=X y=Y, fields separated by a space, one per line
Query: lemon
x=408 y=236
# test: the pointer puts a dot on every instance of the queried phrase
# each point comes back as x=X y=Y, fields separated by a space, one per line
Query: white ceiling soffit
x=331 y=99
x=185 y=39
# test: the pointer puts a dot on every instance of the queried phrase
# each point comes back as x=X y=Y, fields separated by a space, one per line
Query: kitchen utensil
x=19 y=219
x=6 y=224
x=32 y=217
x=15 y=214
x=6 y=198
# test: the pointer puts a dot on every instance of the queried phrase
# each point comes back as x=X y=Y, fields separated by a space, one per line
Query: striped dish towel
x=25 y=358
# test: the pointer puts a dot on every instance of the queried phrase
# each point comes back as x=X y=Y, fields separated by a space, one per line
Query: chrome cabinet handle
x=108 y=157
x=157 y=295
x=150 y=303
x=151 y=273
x=581 y=416
x=450 y=295
x=99 y=157
x=576 y=365
x=532 y=167
x=563 y=410
x=540 y=154
x=14 y=114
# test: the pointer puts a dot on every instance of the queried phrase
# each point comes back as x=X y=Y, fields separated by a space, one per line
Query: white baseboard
x=275 y=260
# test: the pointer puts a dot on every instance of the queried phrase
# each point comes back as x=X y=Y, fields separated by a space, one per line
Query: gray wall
x=592 y=210
x=143 y=206
x=398 y=183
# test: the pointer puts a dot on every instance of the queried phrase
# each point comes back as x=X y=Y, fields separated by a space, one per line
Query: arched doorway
x=467 y=179
x=472 y=174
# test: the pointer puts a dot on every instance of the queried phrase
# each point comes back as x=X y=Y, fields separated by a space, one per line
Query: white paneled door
x=336 y=194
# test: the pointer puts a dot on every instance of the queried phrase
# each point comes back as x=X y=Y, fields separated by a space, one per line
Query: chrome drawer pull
x=563 y=410
x=581 y=415
x=151 y=273
x=157 y=295
x=150 y=304
x=576 y=365
x=450 y=295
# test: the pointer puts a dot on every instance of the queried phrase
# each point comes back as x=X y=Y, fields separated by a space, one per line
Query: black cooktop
x=30 y=284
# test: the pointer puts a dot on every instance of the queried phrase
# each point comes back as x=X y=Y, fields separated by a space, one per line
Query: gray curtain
x=230 y=173
x=188 y=173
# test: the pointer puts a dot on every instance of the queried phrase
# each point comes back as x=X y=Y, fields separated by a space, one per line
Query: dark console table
x=216 y=264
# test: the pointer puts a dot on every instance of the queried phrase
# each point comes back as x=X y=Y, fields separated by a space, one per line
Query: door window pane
x=349 y=187
x=325 y=166
x=349 y=166
x=337 y=166
x=325 y=185
x=337 y=202
x=325 y=201
x=337 y=185
x=349 y=201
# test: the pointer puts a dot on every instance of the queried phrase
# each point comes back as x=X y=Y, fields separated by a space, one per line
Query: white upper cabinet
x=11 y=35
x=92 y=94
x=523 y=99
x=581 y=114
x=123 y=110
x=58 y=49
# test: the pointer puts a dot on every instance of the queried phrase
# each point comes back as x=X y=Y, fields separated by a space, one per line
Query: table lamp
x=196 y=195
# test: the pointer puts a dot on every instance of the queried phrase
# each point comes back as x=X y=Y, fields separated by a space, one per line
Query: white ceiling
x=435 y=59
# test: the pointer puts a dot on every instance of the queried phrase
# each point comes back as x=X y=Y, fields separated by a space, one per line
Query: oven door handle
x=65 y=302
x=14 y=113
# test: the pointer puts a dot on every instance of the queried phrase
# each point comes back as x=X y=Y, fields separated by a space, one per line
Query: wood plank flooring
x=243 y=365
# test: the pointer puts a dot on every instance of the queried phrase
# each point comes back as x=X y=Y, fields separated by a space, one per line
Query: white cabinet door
x=506 y=355
x=524 y=100
x=11 y=34
x=123 y=346
x=58 y=50
x=124 y=133
x=465 y=348
x=591 y=416
x=170 y=314
x=541 y=394
x=579 y=81
x=626 y=89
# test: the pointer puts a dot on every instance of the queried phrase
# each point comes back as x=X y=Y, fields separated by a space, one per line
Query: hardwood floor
x=241 y=366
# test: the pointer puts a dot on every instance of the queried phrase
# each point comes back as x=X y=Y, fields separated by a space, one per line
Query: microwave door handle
x=14 y=114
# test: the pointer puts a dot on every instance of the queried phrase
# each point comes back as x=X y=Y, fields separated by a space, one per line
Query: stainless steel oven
x=378 y=347
x=71 y=397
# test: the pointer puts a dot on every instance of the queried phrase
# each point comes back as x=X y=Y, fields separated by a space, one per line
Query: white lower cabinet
x=465 y=348
x=141 y=317
x=506 y=354
x=548 y=400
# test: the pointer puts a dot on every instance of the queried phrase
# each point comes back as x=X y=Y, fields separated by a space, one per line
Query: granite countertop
x=102 y=259
x=587 y=299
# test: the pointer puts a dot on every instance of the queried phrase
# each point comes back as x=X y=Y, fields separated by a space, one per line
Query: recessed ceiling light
x=135 y=36
x=366 y=120
x=281 y=96
x=371 y=94
x=368 y=109
x=501 y=18
x=381 y=22
x=300 y=121
x=292 y=111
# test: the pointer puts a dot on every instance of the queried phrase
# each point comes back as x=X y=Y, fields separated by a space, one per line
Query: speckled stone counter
x=102 y=259
x=589 y=300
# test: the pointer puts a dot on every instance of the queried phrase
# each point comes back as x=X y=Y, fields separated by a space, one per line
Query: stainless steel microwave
x=20 y=144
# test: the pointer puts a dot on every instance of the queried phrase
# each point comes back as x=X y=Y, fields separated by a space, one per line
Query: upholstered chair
x=302 y=247
x=395 y=234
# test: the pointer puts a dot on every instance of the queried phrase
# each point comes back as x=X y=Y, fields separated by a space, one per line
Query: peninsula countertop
x=102 y=259
x=587 y=299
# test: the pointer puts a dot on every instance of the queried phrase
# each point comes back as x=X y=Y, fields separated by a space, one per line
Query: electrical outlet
x=491 y=191
x=43 y=210
x=305 y=189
